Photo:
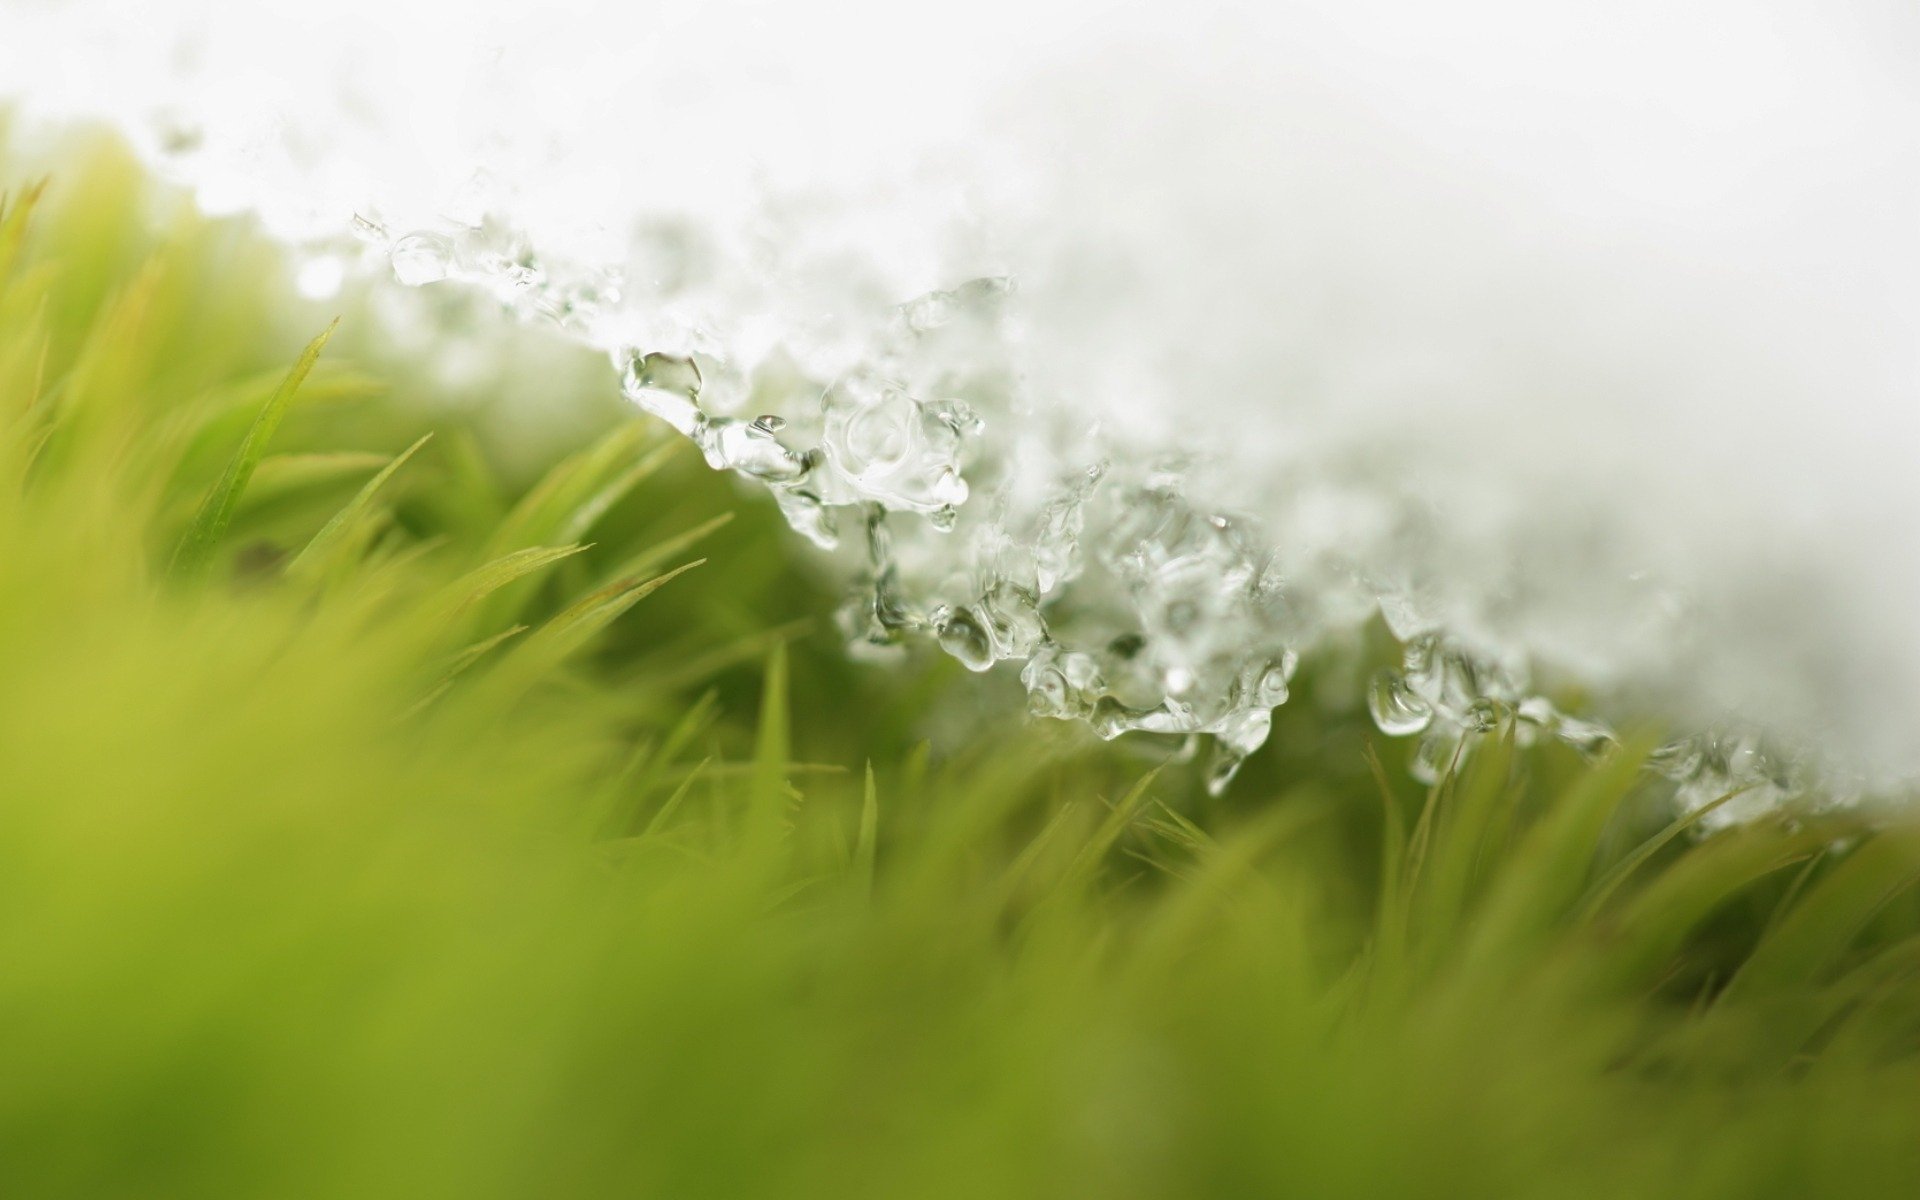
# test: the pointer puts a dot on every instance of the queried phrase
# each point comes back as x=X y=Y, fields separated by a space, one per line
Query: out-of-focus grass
x=373 y=834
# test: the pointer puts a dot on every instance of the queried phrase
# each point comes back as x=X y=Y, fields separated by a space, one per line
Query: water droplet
x=1234 y=741
x=421 y=258
x=1012 y=620
x=768 y=423
x=808 y=516
x=1537 y=710
x=668 y=386
x=1435 y=755
x=1590 y=738
x=962 y=636
x=744 y=447
x=1272 y=687
x=1047 y=691
x=1484 y=715
x=1679 y=760
x=892 y=448
x=1395 y=708
x=1223 y=763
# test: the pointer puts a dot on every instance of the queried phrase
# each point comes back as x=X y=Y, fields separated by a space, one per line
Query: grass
x=375 y=821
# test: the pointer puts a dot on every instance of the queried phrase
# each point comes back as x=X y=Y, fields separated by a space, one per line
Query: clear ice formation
x=1123 y=602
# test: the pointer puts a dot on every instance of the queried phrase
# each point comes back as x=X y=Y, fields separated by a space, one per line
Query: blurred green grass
x=390 y=839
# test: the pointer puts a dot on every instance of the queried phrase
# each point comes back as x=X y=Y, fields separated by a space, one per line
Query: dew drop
x=1590 y=738
x=1537 y=710
x=1234 y=741
x=1484 y=715
x=1273 y=686
x=1396 y=709
x=893 y=449
x=1434 y=756
x=421 y=258
x=1012 y=620
x=664 y=373
x=668 y=386
x=808 y=516
x=1047 y=691
x=1223 y=763
x=745 y=447
x=962 y=636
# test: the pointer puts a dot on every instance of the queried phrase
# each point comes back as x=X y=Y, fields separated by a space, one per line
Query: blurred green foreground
x=374 y=822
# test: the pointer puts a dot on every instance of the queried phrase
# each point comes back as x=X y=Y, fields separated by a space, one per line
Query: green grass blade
x=576 y=625
x=767 y=789
x=15 y=213
x=1459 y=838
x=1547 y=870
x=671 y=547
x=1094 y=850
x=335 y=531
x=694 y=721
x=674 y=800
x=481 y=582
x=1813 y=935
x=1643 y=933
x=281 y=473
x=1604 y=888
x=866 y=841
x=565 y=490
x=216 y=511
x=585 y=515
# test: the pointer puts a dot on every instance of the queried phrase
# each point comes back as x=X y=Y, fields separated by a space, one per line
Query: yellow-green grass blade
x=314 y=556
x=197 y=545
x=476 y=585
